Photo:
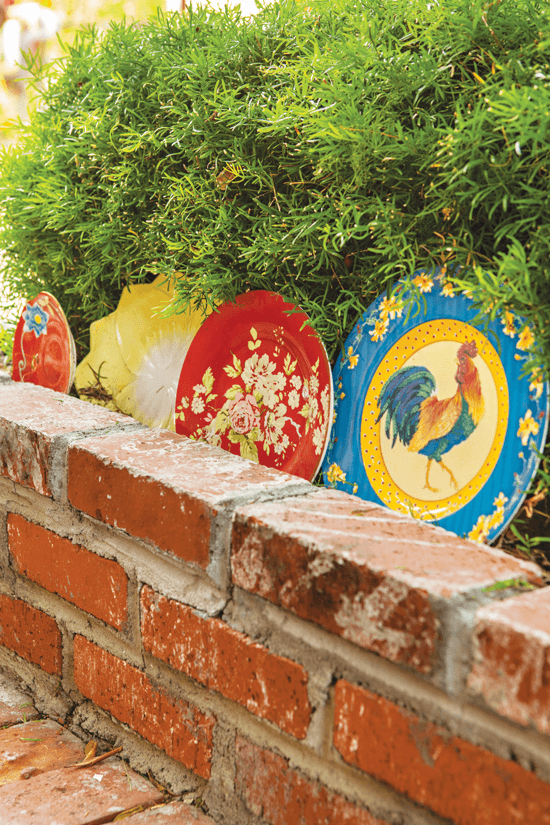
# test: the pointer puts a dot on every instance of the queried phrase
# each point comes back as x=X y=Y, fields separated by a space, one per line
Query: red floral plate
x=256 y=381
x=43 y=345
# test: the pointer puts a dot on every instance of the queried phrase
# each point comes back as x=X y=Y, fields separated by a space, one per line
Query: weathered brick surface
x=281 y=796
x=360 y=570
x=179 y=728
x=159 y=486
x=11 y=715
x=36 y=747
x=227 y=661
x=512 y=658
x=460 y=781
x=30 y=419
x=31 y=633
x=76 y=797
x=85 y=579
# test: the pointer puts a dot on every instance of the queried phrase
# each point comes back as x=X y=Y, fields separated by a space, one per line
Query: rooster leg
x=453 y=479
x=427 y=484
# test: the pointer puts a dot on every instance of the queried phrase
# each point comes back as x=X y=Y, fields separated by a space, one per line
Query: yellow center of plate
x=398 y=475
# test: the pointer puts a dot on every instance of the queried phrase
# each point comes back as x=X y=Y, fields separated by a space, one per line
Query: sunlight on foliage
x=321 y=150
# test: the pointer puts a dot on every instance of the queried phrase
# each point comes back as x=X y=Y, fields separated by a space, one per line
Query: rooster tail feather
x=400 y=401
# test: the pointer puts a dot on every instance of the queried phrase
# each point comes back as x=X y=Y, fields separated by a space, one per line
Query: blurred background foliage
x=73 y=15
x=323 y=151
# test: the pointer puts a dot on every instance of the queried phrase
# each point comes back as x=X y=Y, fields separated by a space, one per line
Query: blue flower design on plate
x=36 y=320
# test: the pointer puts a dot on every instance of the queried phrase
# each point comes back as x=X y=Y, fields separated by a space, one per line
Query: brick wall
x=292 y=655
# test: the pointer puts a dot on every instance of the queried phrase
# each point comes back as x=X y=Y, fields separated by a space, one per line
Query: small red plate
x=256 y=381
x=43 y=345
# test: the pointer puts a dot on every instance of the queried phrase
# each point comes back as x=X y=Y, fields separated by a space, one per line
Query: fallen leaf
x=129 y=812
x=531 y=503
x=90 y=750
x=225 y=178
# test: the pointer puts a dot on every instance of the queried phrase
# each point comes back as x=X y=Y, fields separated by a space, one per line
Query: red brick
x=76 y=797
x=31 y=633
x=13 y=715
x=36 y=747
x=83 y=578
x=360 y=570
x=460 y=781
x=282 y=796
x=159 y=486
x=30 y=419
x=512 y=658
x=176 y=726
x=227 y=661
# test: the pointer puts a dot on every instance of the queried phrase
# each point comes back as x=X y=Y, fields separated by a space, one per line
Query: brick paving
x=43 y=781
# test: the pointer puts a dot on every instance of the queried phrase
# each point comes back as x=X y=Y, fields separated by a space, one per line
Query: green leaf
x=289 y=365
x=208 y=380
x=249 y=450
x=237 y=364
x=221 y=422
x=233 y=391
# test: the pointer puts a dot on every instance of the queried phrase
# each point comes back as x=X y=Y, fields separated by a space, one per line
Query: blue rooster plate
x=432 y=414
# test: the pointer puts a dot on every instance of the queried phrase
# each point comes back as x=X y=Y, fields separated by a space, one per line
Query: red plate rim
x=288 y=329
x=68 y=365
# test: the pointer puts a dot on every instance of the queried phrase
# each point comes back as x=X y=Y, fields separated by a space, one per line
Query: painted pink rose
x=244 y=413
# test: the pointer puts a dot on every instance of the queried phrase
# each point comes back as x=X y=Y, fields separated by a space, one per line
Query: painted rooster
x=421 y=421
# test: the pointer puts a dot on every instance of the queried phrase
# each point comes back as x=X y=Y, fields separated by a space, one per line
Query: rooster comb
x=469 y=348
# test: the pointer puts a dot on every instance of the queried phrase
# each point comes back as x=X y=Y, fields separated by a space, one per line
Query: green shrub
x=321 y=152
x=366 y=139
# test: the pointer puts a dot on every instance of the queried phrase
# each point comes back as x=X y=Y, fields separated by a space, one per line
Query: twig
x=96 y=759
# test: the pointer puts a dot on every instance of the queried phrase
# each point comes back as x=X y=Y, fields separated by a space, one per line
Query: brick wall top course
x=51 y=413
x=361 y=571
x=32 y=419
x=167 y=489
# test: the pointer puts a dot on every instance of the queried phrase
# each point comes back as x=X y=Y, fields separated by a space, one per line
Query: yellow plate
x=101 y=375
x=136 y=355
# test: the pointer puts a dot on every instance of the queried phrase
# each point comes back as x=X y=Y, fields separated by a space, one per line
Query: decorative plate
x=256 y=381
x=433 y=417
x=136 y=355
x=43 y=346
